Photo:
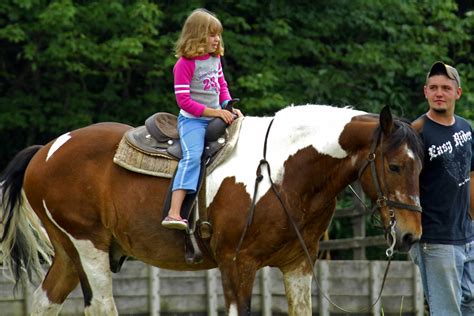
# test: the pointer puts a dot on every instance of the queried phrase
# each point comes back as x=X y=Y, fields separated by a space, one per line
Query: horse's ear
x=386 y=120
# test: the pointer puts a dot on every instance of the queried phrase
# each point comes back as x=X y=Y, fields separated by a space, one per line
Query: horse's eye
x=394 y=168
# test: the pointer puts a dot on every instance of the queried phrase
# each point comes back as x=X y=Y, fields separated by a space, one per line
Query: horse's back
x=69 y=173
x=77 y=147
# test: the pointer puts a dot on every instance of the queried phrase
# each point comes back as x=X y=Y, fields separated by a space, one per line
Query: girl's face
x=213 y=41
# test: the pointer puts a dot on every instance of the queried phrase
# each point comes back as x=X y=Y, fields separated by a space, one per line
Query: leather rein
x=381 y=202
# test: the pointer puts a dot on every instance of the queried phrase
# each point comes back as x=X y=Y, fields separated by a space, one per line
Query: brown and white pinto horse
x=95 y=211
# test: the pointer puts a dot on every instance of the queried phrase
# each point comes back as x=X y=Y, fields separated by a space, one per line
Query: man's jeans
x=447 y=273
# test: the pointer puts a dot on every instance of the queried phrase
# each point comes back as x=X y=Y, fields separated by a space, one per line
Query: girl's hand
x=237 y=112
x=225 y=115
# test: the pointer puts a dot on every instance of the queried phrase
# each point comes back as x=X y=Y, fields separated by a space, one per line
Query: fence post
x=323 y=274
x=419 y=300
x=211 y=280
x=265 y=289
x=358 y=222
x=26 y=297
x=375 y=286
x=154 y=290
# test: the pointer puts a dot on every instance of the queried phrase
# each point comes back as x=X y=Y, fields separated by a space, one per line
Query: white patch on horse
x=400 y=196
x=354 y=160
x=233 y=310
x=61 y=140
x=410 y=198
x=294 y=128
x=409 y=152
x=96 y=265
x=416 y=199
x=41 y=305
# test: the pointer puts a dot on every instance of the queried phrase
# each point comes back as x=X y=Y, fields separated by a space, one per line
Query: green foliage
x=67 y=65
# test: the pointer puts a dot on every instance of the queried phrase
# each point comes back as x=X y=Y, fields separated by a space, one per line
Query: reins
x=382 y=201
x=258 y=179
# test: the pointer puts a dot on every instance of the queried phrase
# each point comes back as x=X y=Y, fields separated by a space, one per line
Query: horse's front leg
x=237 y=281
x=298 y=289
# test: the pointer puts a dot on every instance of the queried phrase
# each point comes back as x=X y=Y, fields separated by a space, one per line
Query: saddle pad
x=131 y=158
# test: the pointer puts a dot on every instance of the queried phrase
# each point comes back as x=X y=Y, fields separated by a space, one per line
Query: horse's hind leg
x=91 y=265
x=63 y=277
x=60 y=280
x=96 y=266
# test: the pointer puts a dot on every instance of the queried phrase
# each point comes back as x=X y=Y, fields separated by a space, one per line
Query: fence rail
x=357 y=214
x=140 y=289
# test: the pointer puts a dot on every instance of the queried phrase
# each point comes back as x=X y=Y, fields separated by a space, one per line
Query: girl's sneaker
x=175 y=223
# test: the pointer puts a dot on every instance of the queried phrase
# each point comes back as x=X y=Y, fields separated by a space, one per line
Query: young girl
x=201 y=93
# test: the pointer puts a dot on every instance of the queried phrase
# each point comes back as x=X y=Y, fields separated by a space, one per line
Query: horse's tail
x=24 y=241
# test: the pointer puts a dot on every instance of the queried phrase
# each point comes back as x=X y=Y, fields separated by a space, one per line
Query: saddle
x=155 y=149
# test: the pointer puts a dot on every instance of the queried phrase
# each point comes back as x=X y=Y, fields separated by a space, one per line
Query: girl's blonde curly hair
x=193 y=39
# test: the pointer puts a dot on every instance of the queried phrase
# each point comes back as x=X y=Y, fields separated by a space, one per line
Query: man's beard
x=440 y=111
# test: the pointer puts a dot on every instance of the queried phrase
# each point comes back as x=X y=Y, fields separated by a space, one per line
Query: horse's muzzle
x=404 y=240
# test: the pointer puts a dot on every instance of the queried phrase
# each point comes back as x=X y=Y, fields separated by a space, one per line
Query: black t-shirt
x=445 y=182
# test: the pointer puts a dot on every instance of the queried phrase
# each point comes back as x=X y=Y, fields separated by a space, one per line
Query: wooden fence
x=357 y=214
x=140 y=289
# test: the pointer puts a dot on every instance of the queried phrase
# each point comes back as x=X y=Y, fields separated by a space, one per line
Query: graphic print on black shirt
x=455 y=159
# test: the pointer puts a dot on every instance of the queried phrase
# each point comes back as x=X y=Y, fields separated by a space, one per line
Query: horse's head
x=390 y=177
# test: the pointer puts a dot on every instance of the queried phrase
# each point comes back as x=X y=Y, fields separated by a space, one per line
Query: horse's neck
x=310 y=173
x=358 y=135
x=304 y=158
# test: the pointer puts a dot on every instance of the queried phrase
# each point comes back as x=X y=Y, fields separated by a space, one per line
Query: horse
x=69 y=198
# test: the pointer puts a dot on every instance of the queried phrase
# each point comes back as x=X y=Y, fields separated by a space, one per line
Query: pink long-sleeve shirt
x=199 y=83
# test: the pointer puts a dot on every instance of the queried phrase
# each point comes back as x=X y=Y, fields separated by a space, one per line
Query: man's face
x=442 y=93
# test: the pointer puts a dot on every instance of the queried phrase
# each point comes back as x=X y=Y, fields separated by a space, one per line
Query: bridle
x=381 y=202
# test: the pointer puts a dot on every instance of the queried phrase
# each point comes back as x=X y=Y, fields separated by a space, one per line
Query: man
x=445 y=254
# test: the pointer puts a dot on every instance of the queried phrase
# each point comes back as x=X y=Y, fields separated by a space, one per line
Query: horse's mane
x=404 y=133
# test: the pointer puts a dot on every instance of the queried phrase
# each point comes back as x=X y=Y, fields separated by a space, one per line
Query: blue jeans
x=447 y=274
x=192 y=132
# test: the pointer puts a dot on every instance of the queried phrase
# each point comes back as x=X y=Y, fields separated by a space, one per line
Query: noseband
x=382 y=200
